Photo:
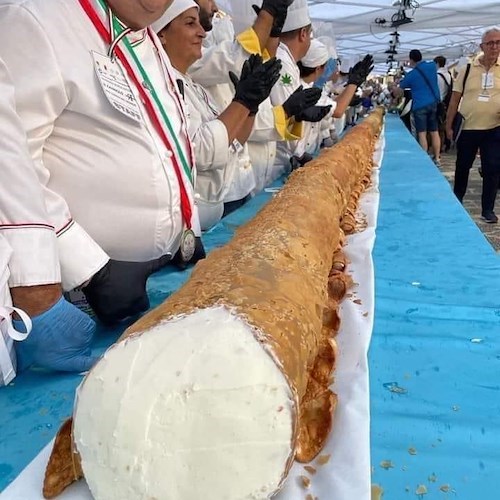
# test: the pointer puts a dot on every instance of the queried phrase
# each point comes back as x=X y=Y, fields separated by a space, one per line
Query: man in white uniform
x=100 y=193
x=295 y=40
x=312 y=66
x=257 y=29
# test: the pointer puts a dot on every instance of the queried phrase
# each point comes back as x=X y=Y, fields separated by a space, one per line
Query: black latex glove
x=299 y=161
x=118 y=290
x=313 y=114
x=300 y=100
x=278 y=22
x=256 y=81
x=360 y=71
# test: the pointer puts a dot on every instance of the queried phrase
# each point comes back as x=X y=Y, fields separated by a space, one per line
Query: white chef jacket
x=223 y=53
x=314 y=132
x=270 y=125
x=224 y=172
x=287 y=84
x=106 y=185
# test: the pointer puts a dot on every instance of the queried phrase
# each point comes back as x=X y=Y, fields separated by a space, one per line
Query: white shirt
x=444 y=82
x=100 y=181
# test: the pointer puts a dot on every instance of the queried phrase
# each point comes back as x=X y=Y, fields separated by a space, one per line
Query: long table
x=435 y=351
x=434 y=398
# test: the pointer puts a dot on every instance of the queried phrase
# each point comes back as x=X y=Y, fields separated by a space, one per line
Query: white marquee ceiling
x=452 y=28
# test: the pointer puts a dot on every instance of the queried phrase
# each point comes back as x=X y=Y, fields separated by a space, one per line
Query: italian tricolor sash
x=138 y=76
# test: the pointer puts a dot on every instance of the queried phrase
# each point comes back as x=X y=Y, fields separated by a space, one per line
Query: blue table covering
x=434 y=356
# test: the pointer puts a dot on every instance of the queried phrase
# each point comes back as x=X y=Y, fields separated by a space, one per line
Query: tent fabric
x=452 y=28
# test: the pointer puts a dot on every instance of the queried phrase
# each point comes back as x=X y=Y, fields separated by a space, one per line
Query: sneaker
x=437 y=162
x=489 y=217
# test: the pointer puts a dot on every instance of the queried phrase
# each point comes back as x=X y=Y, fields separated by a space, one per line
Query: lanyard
x=153 y=106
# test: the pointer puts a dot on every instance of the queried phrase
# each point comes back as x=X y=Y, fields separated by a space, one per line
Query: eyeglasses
x=492 y=43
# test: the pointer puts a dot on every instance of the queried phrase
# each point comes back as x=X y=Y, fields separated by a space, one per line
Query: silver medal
x=188 y=245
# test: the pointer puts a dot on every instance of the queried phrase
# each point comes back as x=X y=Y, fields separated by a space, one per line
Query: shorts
x=426 y=118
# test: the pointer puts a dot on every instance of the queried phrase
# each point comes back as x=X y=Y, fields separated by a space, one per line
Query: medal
x=188 y=245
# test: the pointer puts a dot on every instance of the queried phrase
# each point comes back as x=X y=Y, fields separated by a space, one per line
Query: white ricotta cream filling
x=193 y=409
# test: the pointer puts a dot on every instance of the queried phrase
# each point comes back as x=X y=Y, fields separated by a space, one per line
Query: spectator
x=445 y=83
x=477 y=91
x=422 y=81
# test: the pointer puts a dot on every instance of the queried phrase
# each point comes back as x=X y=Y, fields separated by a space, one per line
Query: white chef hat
x=297 y=16
x=177 y=7
x=317 y=55
x=330 y=44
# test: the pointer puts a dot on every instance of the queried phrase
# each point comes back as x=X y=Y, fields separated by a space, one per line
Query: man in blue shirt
x=422 y=81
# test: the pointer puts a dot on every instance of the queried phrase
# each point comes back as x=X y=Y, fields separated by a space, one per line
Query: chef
x=97 y=165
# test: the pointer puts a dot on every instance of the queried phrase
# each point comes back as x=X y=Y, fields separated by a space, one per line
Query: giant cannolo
x=214 y=393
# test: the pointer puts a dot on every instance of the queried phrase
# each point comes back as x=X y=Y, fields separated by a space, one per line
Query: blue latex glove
x=60 y=340
x=330 y=67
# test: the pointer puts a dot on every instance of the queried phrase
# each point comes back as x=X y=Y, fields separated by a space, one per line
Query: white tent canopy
x=452 y=28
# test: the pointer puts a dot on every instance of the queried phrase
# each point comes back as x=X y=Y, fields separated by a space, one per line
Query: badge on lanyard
x=116 y=87
x=488 y=81
x=188 y=245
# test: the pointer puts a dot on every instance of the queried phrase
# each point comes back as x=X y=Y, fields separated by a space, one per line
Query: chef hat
x=297 y=16
x=317 y=55
x=330 y=44
x=241 y=13
x=177 y=7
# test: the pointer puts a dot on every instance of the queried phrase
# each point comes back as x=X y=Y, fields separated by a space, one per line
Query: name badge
x=483 y=98
x=488 y=81
x=116 y=87
x=237 y=147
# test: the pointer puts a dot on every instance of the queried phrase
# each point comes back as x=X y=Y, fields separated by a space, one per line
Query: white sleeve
x=264 y=127
x=37 y=213
x=23 y=219
x=217 y=61
x=327 y=122
x=208 y=134
x=211 y=146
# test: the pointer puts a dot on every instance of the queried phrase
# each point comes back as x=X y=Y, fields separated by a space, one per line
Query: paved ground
x=472 y=200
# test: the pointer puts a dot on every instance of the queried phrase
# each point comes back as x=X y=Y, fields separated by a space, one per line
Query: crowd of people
x=130 y=128
x=461 y=109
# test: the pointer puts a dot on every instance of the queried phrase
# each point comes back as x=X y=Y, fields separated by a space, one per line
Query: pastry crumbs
x=306 y=482
x=310 y=469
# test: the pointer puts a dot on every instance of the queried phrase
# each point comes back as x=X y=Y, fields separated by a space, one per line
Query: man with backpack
x=445 y=84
